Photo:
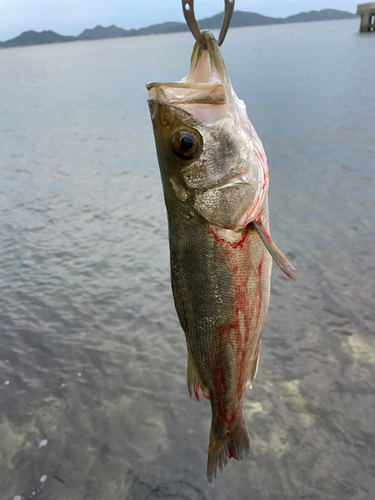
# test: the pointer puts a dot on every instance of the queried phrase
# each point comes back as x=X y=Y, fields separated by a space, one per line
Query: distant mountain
x=99 y=32
x=320 y=15
x=243 y=19
x=240 y=19
x=157 y=29
x=34 y=38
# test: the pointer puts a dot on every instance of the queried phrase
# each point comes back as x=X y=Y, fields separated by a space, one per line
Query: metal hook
x=188 y=9
x=229 y=8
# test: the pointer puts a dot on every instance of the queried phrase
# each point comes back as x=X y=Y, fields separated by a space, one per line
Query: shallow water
x=92 y=359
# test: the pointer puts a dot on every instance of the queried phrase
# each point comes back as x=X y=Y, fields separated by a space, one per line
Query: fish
x=215 y=179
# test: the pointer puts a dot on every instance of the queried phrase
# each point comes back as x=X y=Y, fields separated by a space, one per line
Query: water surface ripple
x=92 y=359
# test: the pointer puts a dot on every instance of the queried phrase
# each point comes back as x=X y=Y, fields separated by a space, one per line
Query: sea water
x=93 y=396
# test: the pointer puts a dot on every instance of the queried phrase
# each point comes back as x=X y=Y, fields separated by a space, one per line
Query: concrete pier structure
x=367 y=12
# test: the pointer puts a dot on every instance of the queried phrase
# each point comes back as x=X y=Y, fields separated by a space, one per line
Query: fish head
x=209 y=155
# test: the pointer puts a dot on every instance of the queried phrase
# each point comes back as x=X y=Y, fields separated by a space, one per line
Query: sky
x=71 y=17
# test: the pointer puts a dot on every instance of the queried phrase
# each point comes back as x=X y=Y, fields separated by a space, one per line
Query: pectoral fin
x=276 y=254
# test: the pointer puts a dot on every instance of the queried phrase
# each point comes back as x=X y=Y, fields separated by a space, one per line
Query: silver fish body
x=215 y=180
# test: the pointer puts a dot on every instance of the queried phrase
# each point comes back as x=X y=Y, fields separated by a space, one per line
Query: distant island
x=240 y=19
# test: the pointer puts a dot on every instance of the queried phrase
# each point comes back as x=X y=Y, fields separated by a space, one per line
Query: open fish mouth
x=183 y=93
x=204 y=91
x=206 y=94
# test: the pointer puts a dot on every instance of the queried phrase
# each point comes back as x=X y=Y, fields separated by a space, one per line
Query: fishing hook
x=188 y=9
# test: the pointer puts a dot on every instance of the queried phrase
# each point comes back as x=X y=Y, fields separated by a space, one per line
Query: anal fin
x=254 y=370
x=194 y=381
x=255 y=365
x=275 y=252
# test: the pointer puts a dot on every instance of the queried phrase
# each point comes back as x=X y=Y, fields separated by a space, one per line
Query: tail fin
x=227 y=445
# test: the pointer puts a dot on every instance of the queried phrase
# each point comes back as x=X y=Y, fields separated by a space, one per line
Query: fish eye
x=186 y=144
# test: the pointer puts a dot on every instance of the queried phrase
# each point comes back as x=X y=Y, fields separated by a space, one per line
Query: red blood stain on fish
x=221 y=390
x=195 y=389
x=234 y=245
x=258 y=154
x=230 y=376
